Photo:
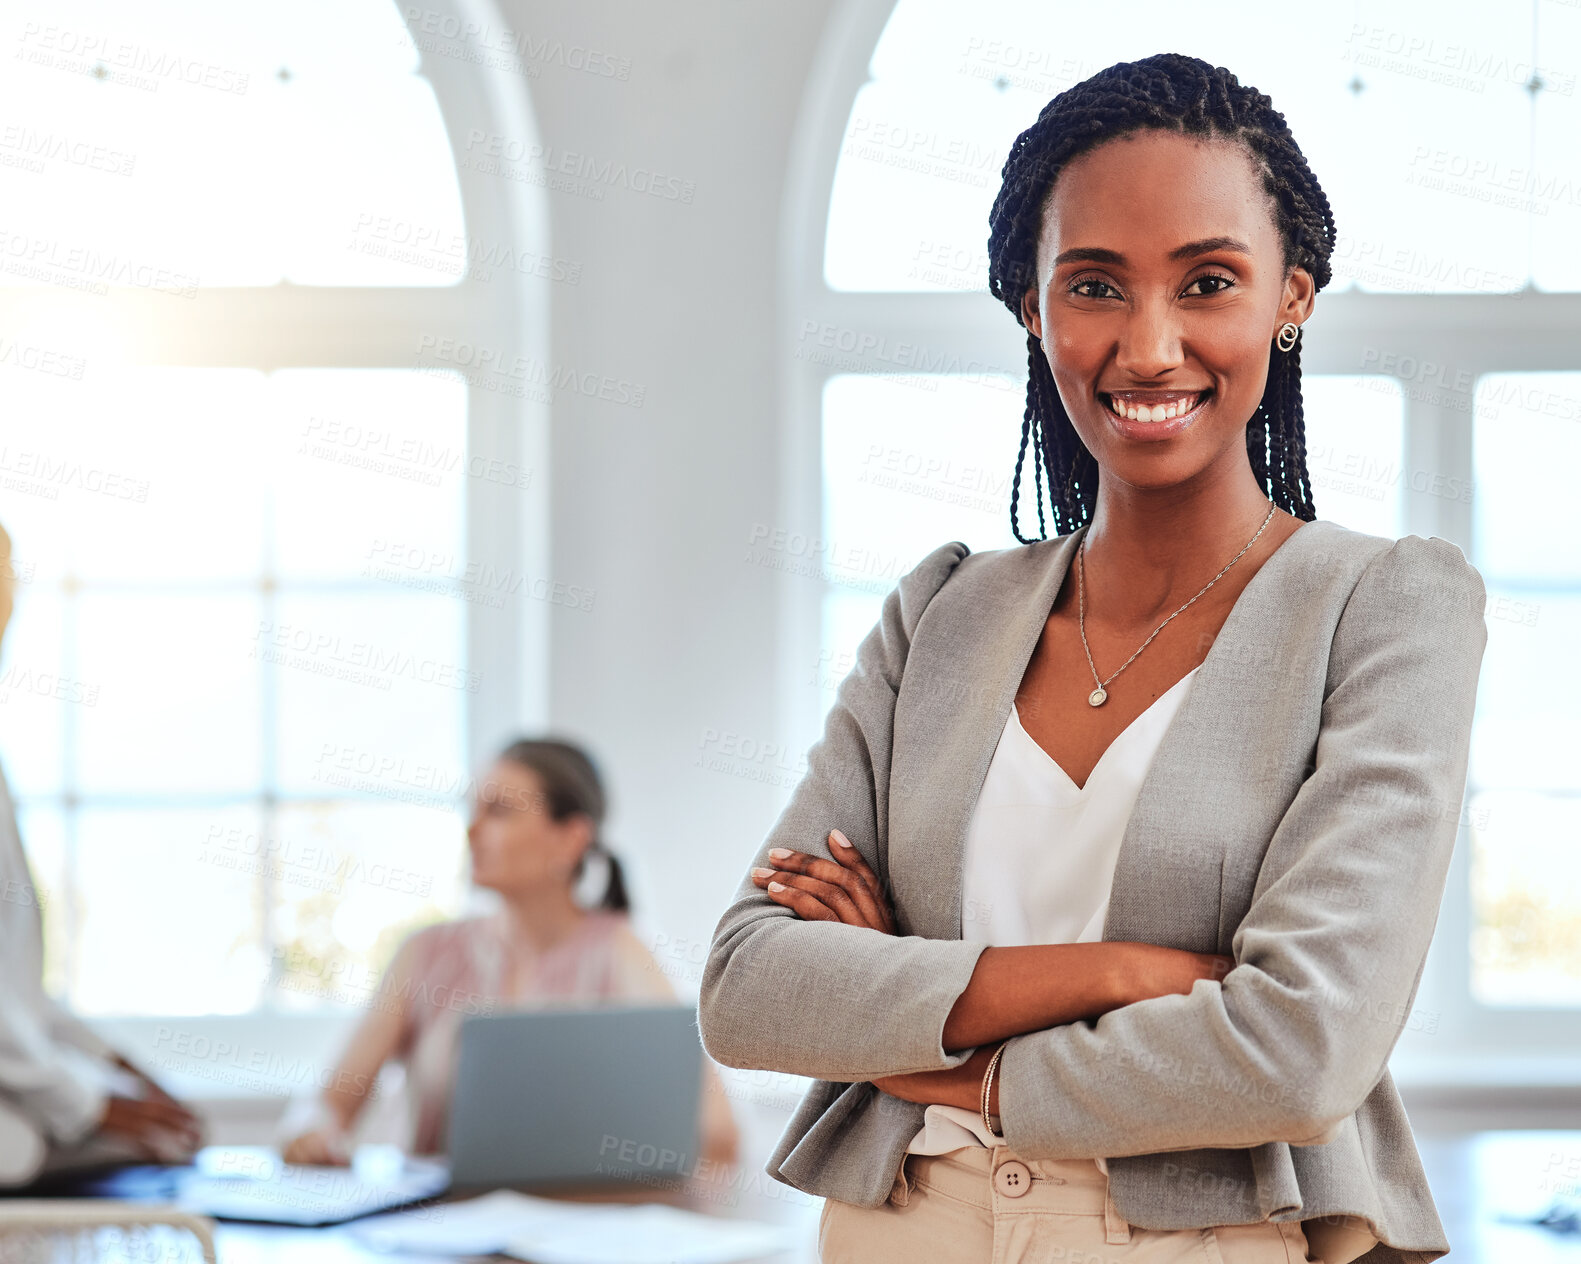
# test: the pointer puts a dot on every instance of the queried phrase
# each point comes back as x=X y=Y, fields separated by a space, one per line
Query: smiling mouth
x=1150 y=406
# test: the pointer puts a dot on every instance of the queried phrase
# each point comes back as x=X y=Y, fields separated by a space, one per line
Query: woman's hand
x=822 y=890
x=322 y=1147
x=164 y=1131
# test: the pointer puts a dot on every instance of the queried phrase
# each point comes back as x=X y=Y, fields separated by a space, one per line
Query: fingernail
x=780 y=853
x=840 y=838
x=776 y=886
x=759 y=872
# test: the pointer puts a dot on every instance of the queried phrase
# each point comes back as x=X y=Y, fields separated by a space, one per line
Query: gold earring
x=1286 y=337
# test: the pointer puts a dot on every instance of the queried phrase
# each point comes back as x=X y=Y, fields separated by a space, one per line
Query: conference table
x=742 y=1196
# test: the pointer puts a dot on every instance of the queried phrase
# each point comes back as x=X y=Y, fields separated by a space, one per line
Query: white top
x=1040 y=856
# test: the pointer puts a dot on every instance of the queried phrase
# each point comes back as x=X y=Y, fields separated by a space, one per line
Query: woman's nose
x=1149 y=342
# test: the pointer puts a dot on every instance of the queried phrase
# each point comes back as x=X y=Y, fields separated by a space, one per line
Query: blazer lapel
x=970 y=653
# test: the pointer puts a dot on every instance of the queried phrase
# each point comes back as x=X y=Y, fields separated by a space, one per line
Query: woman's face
x=515 y=844
x=1161 y=285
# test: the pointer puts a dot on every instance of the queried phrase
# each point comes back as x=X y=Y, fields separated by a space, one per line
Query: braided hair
x=1165 y=92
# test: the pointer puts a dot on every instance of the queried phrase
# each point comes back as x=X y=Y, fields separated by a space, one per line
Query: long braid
x=1170 y=92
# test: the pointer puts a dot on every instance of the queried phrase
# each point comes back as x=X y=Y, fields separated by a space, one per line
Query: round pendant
x=1096 y=697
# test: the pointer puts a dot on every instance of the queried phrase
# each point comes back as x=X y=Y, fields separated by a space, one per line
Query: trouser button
x=1013 y=1178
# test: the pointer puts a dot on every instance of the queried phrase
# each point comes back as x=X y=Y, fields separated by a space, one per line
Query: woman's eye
x=1077 y=287
x=1220 y=283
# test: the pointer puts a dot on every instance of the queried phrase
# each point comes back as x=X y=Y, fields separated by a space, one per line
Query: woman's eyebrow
x=1100 y=254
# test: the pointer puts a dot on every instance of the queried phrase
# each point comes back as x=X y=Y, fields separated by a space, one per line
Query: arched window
x=272 y=468
x=1443 y=391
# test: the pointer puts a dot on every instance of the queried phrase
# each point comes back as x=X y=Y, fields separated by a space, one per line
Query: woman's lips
x=1132 y=413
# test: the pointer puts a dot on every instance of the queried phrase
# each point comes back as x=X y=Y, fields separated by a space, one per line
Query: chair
x=54 y=1223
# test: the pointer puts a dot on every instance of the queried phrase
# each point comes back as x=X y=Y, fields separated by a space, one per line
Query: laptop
x=543 y=1098
x=582 y=1097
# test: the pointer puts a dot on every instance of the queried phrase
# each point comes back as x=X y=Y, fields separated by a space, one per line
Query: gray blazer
x=1299 y=815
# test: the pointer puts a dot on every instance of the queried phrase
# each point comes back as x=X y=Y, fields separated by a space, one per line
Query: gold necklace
x=1097 y=696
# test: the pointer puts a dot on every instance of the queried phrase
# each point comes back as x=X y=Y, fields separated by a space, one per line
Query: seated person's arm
x=323 y=1139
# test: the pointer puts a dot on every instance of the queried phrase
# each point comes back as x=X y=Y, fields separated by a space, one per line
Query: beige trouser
x=981 y=1206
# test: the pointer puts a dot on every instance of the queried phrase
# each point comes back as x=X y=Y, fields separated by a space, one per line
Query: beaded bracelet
x=988 y=1079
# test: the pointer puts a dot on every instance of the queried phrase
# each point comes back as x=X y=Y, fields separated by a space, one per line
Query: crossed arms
x=1283 y=1047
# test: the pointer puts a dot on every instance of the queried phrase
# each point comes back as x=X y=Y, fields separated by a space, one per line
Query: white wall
x=653 y=504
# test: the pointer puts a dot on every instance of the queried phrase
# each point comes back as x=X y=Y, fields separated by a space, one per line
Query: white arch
x=505 y=527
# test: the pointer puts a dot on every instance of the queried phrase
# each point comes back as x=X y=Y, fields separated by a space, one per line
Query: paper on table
x=474 y=1226
x=553 y=1231
x=651 y=1233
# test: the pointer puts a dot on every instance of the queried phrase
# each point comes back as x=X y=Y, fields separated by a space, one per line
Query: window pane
x=351 y=881
x=847 y=618
x=1527 y=447
x=372 y=689
x=1529 y=695
x=38 y=694
x=1427 y=104
x=370 y=474
x=43 y=831
x=1355 y=429
x=1526 y=882
x=178 y=708
x=917 y=175
x=157 y=891
x=139 y=473
x=203 y=134
x=1548 y=192
x=1526 y=886
x=910 y=463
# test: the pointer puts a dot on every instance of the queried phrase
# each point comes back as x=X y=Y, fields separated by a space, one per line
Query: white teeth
x=1156 y=412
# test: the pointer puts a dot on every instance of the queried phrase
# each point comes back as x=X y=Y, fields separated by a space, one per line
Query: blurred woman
x=536 y=819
